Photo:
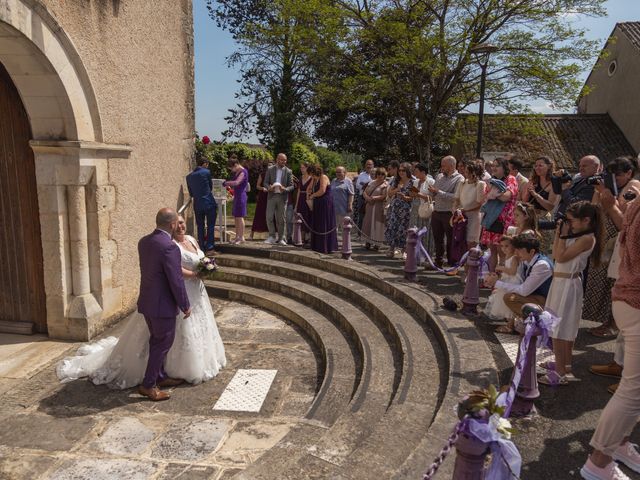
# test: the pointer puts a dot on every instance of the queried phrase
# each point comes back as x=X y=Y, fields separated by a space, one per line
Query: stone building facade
x=613 y=82
x=107 y=94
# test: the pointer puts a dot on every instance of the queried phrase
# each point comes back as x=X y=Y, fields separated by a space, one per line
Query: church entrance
x=22 y=295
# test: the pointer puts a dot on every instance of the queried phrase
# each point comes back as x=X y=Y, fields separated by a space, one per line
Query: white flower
x=501 y=425
x=210 y=267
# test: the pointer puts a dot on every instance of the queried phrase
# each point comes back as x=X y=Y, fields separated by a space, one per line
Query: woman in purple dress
x=324 y=238
x=301 y=200
x=239 y=183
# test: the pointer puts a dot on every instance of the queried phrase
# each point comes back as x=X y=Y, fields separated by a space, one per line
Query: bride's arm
x=186 y=273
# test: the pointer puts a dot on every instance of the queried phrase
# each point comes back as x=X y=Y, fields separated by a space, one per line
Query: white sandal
x=552 y=378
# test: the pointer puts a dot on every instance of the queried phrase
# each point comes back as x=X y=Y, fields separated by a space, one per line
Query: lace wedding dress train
x=197 y=353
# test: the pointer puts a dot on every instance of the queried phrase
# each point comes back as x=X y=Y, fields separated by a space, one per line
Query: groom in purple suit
x=162 y=295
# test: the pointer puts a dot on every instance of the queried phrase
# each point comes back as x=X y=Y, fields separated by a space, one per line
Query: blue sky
x=216 y=83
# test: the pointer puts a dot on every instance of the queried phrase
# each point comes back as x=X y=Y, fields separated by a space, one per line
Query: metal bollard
x=528 y=389
x=470 y=298
x=297 y=231
x=470 y=457
x=411 y=263
x=346 y=238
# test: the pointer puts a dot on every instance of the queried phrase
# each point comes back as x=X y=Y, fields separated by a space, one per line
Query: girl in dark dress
x=301 y=200
x=260 y=217
x=324 y=237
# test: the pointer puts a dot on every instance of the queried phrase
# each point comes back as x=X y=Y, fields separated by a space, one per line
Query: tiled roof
x=564 y=138
x=631 y=31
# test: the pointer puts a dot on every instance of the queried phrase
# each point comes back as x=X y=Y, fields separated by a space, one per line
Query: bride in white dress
x=197 y=353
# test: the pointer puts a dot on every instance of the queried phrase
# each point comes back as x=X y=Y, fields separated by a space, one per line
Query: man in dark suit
x=279 y=182
x=200 y=184
x=162 y=295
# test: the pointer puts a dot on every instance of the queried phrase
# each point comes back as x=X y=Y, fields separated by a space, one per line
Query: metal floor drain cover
x=246 y=391
x=511 y=343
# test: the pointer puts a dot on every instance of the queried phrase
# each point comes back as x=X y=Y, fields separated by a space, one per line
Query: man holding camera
x=582 y=186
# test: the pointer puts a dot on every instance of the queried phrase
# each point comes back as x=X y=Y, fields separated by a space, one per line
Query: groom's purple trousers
x=163 y=331
x=162 y=295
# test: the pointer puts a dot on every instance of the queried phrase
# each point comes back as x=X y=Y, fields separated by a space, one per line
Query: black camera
x=558 y=180
x=628 y=196
x=605 y=178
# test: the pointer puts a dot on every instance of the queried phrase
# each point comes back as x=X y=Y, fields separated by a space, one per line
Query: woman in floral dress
x=399 y=210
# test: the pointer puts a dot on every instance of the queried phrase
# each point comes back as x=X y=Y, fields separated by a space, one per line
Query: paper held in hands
x=277 y=187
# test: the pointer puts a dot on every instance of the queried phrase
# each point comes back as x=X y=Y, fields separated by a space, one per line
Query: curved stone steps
x=341 y=368
x=413 y=408
x=419 y=372
x=466 y=364
x=375 y=348
x=377 y=386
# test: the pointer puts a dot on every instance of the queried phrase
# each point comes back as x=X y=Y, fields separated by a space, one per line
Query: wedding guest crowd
x=567 y=243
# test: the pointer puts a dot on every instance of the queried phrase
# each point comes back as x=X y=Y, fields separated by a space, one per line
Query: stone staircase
x=392 y=367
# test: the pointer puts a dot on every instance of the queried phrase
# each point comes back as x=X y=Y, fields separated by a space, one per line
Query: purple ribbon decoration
x=506 y=461
x=541 y=325
x=422 y=254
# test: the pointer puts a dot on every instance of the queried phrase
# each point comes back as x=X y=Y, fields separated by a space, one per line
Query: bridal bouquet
x=207 y=268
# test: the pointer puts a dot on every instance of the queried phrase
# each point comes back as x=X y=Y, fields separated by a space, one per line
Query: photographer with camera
x=581 y=187
x=617 y=181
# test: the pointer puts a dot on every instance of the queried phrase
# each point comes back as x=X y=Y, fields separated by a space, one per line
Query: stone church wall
x=139 y=58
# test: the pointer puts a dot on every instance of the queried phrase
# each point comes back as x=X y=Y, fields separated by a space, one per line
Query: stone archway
x=74 y=195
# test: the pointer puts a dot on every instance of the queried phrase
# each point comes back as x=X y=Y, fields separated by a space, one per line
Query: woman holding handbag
x=470 y=196
x=374 y=196
x=422 y=204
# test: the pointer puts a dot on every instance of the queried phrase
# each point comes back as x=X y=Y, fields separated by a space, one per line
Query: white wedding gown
x=197 y=353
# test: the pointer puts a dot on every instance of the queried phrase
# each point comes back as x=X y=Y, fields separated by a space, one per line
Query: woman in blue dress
x=324 y=238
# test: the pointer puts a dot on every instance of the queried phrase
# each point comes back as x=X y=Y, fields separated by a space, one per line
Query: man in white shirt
x=536 y=271
x=279 y=182
x=361 y=183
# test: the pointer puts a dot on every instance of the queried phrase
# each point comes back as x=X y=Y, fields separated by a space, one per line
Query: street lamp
x=482 y=52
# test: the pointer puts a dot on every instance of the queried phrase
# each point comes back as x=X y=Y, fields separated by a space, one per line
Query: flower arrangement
x=484 y=405
x=207 y=268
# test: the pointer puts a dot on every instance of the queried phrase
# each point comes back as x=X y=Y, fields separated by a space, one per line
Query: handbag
x=496 y=227
x=425 y=209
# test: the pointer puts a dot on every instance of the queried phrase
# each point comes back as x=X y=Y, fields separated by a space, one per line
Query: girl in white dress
x=197 y=353
x=496 y=307
x=577 y=239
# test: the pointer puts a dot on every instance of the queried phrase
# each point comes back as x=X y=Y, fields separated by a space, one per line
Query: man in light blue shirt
x=342 y=192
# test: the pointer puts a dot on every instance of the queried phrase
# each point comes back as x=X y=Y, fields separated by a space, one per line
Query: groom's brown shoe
x=170 y=382
x=153 y=393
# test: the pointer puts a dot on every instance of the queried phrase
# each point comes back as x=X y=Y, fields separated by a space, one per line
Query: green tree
x=406 y=67
x=300 y=153
x=273 y=39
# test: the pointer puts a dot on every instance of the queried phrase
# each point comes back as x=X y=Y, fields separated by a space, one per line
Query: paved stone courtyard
x=82 y=431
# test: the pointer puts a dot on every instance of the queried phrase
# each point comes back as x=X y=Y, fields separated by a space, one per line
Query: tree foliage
x=386 y=78
x=253 y=159
x=275 y=84
x=405 y=68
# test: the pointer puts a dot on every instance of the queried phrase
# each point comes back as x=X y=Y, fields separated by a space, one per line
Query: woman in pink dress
x=509 y=197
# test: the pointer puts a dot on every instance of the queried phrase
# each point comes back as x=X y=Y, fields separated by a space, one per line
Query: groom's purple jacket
x=162 y=290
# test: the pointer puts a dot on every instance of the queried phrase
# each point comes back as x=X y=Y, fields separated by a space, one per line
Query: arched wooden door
x=22 y=296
